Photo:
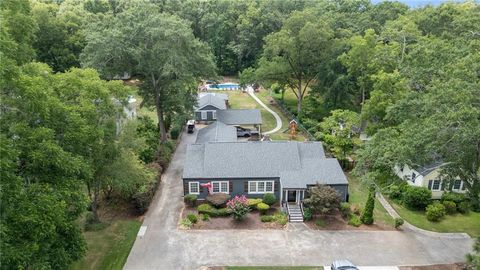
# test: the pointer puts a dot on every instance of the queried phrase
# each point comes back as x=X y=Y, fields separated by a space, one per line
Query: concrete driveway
x=163 y=246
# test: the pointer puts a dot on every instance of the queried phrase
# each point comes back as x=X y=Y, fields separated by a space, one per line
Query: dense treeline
x=407 y=77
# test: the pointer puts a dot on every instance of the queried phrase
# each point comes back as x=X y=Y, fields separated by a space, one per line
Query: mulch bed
x=336 y=222
x=250 y=222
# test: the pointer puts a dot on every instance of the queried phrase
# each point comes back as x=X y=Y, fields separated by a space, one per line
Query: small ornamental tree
x=367 y=216
x=239 y=207
x=323 y=199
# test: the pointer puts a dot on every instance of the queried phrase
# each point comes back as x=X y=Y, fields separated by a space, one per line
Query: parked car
x=245 y=132
x=343 y=265
x=191 y=126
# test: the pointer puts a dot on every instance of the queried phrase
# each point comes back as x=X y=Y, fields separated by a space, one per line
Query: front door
x=292 y=196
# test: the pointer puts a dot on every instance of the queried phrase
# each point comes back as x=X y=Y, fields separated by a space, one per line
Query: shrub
x=450 y=207
x=367 y=216
x=463 y=207
x=175 y=132
x=394 y=192
x=218 y=199
x=457 y=198
x=398 y=222
x=281 y=218
x=267 y=218
x=345 y=210
x=417 y=197
x=253 y=202
x=186 y=223
x=269 y=199
x=211 y=211
x=239 y=207
x=205 y=217
x=320 y=222
x=323 y=199
x=307 y=214
x=354 y=220
x=435 y=211
x=143 y=197
x=263 y=208
x=190 y=199
x=193 y=218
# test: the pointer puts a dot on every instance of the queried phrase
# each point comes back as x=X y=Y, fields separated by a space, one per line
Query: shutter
x=185 y=187
x=245 y=186
x=275 y=185
x=430 y=183
x=230 y=187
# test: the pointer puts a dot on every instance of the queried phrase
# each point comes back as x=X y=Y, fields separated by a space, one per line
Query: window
x=214 y=114
x=259 y=187
x=413 y=177
x=194 y=187
x=457 y=184
x=436 y=185
x=203 y=115
x=220 y=187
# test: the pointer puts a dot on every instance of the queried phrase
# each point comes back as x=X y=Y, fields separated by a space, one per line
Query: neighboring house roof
x=427 y=169
x=240 y=117
x=219 y=95
x=211 y=100
x=217 y=132
x=297 y=164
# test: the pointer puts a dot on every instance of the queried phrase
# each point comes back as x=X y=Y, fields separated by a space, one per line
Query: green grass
x=274 y=268
x=468 y=223
x=109 y=248
x=289 y=99
x=358 y=197
x=279 y=135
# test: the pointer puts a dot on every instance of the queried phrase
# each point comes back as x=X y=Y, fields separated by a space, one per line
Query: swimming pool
x=224 y=86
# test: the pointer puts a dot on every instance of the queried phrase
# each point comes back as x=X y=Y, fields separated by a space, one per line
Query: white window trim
x=214 y=115
x=459 y=188
x=203 y=115
x=190 y=187
x=255 y=183
x=220 y=186
x=439 y=186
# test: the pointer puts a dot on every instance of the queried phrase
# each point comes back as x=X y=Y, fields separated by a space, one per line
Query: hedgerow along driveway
x=164 y=246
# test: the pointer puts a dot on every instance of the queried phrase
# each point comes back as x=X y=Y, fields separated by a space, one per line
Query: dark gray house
x=207 y=106
x=285 y=168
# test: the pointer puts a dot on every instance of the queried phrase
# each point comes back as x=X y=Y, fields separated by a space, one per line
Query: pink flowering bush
x=238 y=206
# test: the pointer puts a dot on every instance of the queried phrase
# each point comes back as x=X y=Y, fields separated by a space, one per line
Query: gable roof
x=217 y=132
x=297 y=164
x=240 y=117
x=219 y=95
x=427 y=169
x=210 y=100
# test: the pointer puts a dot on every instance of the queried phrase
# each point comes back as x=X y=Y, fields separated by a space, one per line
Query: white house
x=430 y=177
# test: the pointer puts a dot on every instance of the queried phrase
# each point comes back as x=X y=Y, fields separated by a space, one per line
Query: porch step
x=295 y=214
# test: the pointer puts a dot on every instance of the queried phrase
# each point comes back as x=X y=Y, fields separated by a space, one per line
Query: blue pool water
x=225 y=86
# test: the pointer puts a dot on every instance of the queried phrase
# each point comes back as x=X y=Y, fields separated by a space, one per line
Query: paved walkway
x=163 y=246
x=251 y=92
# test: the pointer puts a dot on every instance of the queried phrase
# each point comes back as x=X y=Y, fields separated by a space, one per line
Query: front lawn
x=468 y=223
x=358 y=196
x=274 y=268
x=109 y=248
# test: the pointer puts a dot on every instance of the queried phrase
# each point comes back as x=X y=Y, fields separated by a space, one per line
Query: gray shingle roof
x=240 y=117
x=212 y=100
x=425 y=170
x=295 y=163
x=217 y=132
x=220 y=95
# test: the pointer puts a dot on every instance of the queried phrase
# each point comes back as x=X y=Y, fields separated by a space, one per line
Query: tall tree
x=293 y=56
x=159 y=48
